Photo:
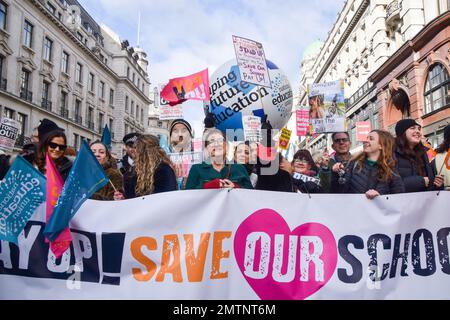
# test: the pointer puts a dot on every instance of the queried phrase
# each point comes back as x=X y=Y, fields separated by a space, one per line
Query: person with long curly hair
x=374 y=172
x=55 y=144
x=153 y=169
x=412 y=161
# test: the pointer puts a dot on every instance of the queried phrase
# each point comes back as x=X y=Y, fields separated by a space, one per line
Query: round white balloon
x=232 y=98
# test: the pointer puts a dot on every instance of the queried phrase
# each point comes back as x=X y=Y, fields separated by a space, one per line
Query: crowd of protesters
x=386 y=165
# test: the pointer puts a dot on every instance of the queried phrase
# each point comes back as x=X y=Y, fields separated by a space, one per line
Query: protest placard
x=9 y=131
x=363 y=129
x=251 y=61
x=252 y=128
x=302 y=121
x=283 y=141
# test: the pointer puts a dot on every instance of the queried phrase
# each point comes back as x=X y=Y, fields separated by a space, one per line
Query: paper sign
x=285 y=136
x=327 y=107
x=167 y=112
x=362 y=130
x=186 y=160
x=251 y=61
x=252 y=128
x=9 y=131
x=302 y=122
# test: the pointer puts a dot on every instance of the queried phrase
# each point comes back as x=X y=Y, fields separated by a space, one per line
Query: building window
x=76 y=141
x=137 y=112
x=128 y=72
x=126 y=103
x=79 y=73
x=100 y=122
x=91 y=82
x=77 y=111
x=28 y=34
x=24 y=86
x=139 y=82
x=101 y=89
x=142 y=116
x=63 y=105
x=132 y=108
x=437 y=86
x=111 y=97
x=45 y=95
x=22 y=119
x=65 y=63
x=111 y=125
x=8 y=113
x=79 y=36
x=3 y=13
x=90 y=118
x=134 y=77
x=48 y=45
x=51 y=8
x=374 y=121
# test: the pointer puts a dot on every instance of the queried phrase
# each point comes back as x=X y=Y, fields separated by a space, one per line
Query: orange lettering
x=137 y=254
x=171 y=245
x=195 y=266
x=218 y=254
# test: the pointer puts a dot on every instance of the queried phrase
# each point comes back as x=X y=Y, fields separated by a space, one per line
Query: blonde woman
x=153 y=169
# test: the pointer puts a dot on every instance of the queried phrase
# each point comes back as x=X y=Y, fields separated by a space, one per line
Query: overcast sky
x=182 y=37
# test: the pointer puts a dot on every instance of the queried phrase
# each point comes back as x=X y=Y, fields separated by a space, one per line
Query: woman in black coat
x=412 y=161
x=373 y=172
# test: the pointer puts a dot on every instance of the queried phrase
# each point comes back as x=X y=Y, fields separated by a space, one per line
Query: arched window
x=437 y=94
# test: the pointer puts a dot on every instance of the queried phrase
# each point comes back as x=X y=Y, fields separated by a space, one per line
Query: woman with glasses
x=412 y=161
x=108 y=164
x=55 y=144
x=214 y=172
x=306 y=173
x=373 y=172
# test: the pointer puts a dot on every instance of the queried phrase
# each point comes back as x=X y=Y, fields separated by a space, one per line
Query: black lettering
x=355 y=264
x=372 y=251
x=397 y=255
x=430 y=267
x=442 y=240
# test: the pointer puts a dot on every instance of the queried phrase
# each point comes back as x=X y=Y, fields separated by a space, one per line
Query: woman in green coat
x=215 y=172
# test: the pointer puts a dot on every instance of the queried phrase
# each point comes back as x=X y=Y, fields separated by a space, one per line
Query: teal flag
x=106 y=137
x=85 y=178
x=21 y=192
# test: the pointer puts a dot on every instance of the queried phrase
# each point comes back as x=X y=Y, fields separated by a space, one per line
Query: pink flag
x=193 y=87
x=54 y=187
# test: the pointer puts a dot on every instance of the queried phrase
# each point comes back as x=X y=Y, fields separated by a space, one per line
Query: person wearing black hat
x=438 y=162
x=412 y=161
x=180 y=134
x=126 y=164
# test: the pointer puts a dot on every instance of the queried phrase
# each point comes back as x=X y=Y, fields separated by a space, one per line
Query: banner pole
x=115 y=190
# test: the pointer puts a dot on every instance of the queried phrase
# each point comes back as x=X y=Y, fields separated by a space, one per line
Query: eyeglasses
x=301 y=161
x=215 y=141
x=61 y=147
x=343 y=140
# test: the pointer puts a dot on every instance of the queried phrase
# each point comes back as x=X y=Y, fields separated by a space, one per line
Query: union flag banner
x=193 y=87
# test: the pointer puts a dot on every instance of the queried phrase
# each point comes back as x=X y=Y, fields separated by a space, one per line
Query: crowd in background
x=387 y=164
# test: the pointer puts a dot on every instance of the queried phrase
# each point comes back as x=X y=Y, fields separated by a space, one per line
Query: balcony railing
x=90 y=125
x=46 y=104
x=78 y=119
x=64 y=113
x=3 y=84
x=359 y=94
x=26 y=95
x=392 y=10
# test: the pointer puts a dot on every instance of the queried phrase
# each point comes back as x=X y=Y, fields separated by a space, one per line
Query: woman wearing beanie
x=438 y=162
x=412 y=161
x=374 y=172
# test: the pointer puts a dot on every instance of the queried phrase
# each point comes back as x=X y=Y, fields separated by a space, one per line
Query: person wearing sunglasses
x=214 y=172
x=337 y=163
x=55 y=144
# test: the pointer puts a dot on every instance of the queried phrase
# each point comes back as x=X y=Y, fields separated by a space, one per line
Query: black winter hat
x=209 y=121
x=404 y=125
x=447 y=132
x=46 y=126
x=130 y=138
x=182 y=121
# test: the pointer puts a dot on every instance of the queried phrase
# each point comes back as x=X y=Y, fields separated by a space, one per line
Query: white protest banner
x=251 y=61
x=240 y=245
x=9 y=131
x=327 y=107
x=305 y=178
x=252 y=128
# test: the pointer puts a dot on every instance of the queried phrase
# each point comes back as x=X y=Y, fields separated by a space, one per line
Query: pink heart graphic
x=280 y=264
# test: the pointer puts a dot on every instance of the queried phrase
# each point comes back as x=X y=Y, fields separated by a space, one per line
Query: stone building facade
x=56 y=62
